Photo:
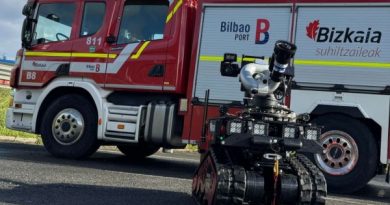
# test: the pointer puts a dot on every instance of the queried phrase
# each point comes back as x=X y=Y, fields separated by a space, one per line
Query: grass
x=4 y=102
x=191 y=148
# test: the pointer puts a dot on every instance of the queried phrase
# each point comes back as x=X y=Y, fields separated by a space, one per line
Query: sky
x=11 y=20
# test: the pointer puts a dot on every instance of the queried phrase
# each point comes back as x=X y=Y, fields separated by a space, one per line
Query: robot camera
x=229 y=65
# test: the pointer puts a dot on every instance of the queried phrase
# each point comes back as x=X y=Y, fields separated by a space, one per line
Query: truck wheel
x=350 y=155
x=69 y=127
x=138 y=151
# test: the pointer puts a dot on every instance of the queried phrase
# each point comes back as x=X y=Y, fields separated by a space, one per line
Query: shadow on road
x=21 y=193
x=373 y=192
x=101 y=161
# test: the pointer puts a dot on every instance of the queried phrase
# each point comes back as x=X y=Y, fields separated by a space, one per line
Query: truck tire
x=351 y=154
x=138 y=151
x=69 y=127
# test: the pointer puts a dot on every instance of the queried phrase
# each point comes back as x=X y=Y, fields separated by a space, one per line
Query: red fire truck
x=134 y=74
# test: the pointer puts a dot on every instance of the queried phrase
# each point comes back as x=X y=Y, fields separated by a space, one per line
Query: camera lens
x=284 y=51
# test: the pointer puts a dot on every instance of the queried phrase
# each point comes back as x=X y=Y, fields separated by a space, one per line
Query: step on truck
x=134 y=73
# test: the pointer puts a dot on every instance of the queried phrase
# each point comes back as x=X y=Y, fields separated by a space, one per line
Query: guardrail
x=5 y=72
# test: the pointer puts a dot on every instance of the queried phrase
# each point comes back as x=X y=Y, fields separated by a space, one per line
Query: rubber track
x=304 y=180
x=311 y=181
x=225 y=186
x=318 y=177
x=231 y=179
x=239 y=184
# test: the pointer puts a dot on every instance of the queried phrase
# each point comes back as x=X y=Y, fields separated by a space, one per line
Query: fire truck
x=134 y=74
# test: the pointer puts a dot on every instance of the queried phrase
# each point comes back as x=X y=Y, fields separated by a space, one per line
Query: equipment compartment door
x=344 y=45
x=140 y=47
x=236 y=29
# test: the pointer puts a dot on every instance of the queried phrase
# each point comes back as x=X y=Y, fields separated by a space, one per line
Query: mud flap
x=204 y=181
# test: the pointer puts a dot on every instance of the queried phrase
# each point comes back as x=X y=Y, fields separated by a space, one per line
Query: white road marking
x=157 y=156
x=175 y=158
x=346 y=201
x=161 y=177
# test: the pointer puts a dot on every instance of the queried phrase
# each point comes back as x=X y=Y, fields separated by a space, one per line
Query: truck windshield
x=143 y=20
x=54 y=22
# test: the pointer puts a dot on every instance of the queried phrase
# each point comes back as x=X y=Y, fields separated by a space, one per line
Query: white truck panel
x=360 y=58
x=219 y=35
x=376 y=107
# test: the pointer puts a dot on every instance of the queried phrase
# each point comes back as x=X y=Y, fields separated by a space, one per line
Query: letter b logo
x=262 y=27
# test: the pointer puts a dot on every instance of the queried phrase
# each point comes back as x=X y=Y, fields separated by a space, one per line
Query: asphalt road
x=29 y=175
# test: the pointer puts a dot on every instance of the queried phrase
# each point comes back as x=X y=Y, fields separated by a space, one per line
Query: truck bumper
x=19 y=119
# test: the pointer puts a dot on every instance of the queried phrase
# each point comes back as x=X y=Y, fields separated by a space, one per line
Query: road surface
x=29 y=175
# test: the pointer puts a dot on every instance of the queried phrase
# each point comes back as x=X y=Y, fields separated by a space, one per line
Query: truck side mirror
x=229 y=65
x=27 y=10
x=110 y=39
x=26 y=35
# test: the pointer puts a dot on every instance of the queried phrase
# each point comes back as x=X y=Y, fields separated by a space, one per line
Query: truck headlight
x=260 y=129
x=235 y=127
x=313 y=133
x=289 y=132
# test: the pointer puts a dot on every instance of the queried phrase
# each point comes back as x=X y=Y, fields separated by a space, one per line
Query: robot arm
x=256 y=79
x=262 y=79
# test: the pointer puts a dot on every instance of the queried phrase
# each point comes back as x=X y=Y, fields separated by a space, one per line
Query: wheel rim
x=340 y=153
x=68 y=126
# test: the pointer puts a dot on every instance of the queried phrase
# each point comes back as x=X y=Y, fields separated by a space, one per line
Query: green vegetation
x=191 y=148
x=4 y=102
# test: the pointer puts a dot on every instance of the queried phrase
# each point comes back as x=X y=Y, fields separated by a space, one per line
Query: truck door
x=90 y=50
x=140 y=48
x=51 y=44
